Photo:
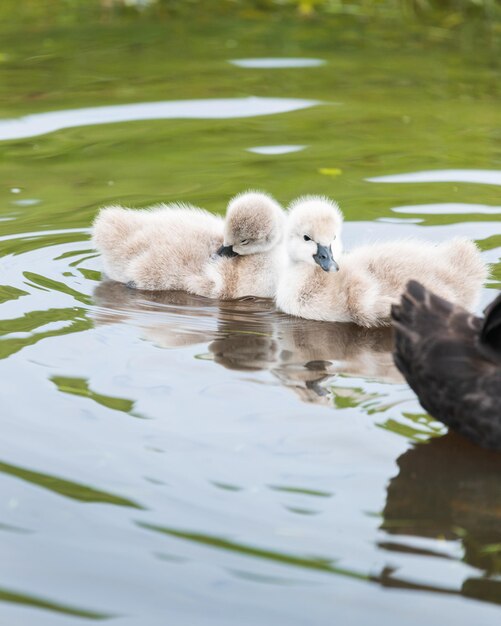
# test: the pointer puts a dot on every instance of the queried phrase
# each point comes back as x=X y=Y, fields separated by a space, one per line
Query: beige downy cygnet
x=184 y=248
x=250 y=258
x=175 y=238
x=369 y=279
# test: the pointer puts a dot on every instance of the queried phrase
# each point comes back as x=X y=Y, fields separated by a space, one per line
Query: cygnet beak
x=325 y=259
x=226 y=251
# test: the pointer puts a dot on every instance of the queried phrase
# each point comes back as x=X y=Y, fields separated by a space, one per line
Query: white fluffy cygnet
x=252 y=251
x=317 y=282
x=181 y=247
x=173 y=240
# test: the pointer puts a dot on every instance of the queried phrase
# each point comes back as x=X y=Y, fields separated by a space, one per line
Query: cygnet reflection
x=169 y=319
x=251 y=335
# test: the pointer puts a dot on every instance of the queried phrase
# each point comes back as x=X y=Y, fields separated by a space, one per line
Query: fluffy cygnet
x=369 y=279
x=251 y=253
x=168 y=242
x=181 y=247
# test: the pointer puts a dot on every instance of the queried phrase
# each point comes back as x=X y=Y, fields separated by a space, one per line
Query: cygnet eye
x=306 y=238
x=244 y=242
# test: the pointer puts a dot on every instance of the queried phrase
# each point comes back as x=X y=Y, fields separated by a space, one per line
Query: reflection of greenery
x=90 y=274
x=69 y=489
x=414 y=104
x=493 y=548
x=80 y=387
x=226 y=486
x=14 y=529
x=14 y=597
x=55 y=285
x=480 y=589
x=456 y=11
x=490 y=243
x=352 y=397
x=418 y=428
x=301 y=490
x=27 y=243
x=10 y=293
x=35 y=319
x=413 y=426
x=319 y=564
x=76 y=318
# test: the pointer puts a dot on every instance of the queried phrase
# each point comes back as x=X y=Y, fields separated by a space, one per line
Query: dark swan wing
x=437 y=350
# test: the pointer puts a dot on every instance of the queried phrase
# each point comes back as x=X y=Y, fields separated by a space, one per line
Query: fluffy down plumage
x=319 y=282
x=175 y=247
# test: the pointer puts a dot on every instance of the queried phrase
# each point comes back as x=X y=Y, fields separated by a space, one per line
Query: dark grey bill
x=325 y=259
x=226 y=251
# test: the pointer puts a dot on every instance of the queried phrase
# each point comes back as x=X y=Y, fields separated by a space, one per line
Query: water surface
x=166 y=457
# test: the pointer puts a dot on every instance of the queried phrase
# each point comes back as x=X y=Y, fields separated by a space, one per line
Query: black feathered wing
x=437 y=350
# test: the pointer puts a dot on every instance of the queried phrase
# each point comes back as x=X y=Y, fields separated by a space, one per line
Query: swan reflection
x=444 y=489
x=251 y=335
x=447 y=488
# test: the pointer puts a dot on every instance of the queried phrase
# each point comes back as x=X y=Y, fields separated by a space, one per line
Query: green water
x=173 y=459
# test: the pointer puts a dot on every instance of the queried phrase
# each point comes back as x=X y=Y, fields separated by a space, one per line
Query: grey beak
x=325 y=259
x=226 y=251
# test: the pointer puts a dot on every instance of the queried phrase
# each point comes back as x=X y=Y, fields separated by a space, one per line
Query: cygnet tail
x=114 y=235
x=112 y=228
x=469 y=267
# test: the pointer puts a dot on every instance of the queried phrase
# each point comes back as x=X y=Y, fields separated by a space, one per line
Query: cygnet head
x=254 y=223
x=313 y=232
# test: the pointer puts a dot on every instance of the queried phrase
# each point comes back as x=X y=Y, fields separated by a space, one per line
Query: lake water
x=169 y=459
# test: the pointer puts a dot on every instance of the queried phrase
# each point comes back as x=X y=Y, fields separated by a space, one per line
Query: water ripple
x=314 y=563
x=216 y=108
x=67 y=488
x=272 y=150
x=276 y=63
x=484 y=177
x=449 y=208
x=15 y=597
